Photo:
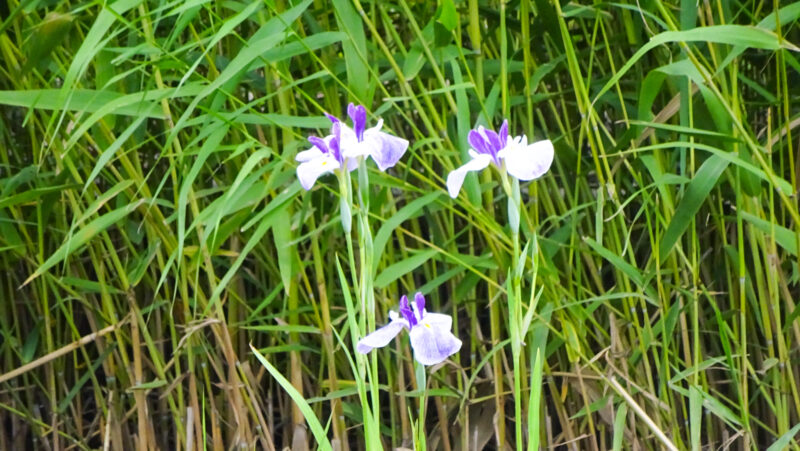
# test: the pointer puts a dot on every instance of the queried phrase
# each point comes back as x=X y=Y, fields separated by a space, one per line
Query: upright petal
x=407 y=311
x=503 y=133
x=419 y=303
x=493 y=140
x=387 y=150
x=528 y=162
x=349 y=144
x=433 y=344
x=456 y=177
x=358 y=114
x=381 y=337
x=478 y=142
x=309 y=171
x=333 y=142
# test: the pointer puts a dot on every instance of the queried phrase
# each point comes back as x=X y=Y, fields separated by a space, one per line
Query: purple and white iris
x=429 y=333
x=512 y=155
x=360 y=141
x=345 y=145
x=324 y=157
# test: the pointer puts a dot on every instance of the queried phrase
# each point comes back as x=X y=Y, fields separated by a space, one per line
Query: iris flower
x=359 y=141
x=429 y=333
x=324 y=157
x=343 y=147
x=512 y=155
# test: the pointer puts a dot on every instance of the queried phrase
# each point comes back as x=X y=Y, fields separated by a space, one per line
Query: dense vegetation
x=152 y=227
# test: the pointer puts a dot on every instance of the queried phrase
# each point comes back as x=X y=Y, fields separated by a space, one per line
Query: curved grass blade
x=313 y=423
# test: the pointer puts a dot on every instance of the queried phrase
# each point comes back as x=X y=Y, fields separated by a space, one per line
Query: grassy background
x=151 y=226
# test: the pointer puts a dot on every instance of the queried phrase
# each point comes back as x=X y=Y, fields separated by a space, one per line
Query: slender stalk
x=515 y=300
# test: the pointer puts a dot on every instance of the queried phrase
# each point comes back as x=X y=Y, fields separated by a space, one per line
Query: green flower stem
x=515 y=325
x=366 y=294
x=422 y=385
x=361 y=275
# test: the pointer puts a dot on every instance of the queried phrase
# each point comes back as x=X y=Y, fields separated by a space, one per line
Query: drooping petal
x=528 y=162
x=308 y=155
x=309 y=171
x=456 y=177
x=432 y=343
x=440 y=320
x=387 y=150
x=351 y=164
x=381 y=337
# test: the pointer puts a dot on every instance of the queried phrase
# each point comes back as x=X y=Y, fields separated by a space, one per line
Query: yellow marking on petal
x=427 y=325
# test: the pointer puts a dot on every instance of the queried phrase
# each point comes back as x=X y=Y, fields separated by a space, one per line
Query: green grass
x=166 y=282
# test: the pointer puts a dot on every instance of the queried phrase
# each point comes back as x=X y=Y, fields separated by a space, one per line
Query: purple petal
x=332 y=118
x=405 y=310
x=381 y=337
x=476 y=140
x=492 y=139
x=432 y=343
x=419 y=300
x=319 y=143
x=388 y=150
x=504 y=133
x=335 y=140
x=358 y=114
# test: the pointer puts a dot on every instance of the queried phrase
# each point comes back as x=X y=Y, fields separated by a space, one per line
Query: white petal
x=352 y=164
x=349 y=144
x=456 y=178
x=441 y=320
x=512 y=144
x=528 y=162
x=357 y=149
x=385 y=149
x=308 y=155
x=432 y=343
x=381 y=337
x=309 y=171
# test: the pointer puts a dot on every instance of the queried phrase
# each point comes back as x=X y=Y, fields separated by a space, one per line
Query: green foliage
x=166 y=283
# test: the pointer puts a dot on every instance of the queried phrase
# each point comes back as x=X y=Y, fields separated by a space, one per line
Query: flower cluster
x=346 y=148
